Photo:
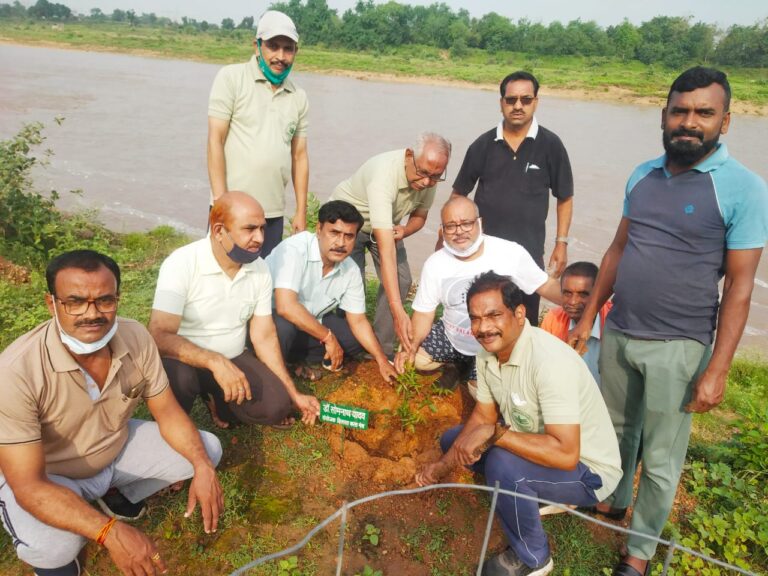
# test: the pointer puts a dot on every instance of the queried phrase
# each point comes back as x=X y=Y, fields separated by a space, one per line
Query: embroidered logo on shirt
x=689 y=209
x=290 y=130
x=522 y=421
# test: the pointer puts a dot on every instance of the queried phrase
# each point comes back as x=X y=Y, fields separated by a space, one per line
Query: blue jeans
x=519 y=517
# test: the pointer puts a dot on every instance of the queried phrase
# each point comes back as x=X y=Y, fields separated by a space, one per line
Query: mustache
x=339 y=250
x=686 y=132
x=486 y=334
x=94 y=322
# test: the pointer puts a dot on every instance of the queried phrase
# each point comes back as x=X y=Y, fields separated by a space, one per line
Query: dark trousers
x=270 y=402
x=520 y=518
x=531 y=303
x=298 y=346
x=273 y=234
x=383 y=323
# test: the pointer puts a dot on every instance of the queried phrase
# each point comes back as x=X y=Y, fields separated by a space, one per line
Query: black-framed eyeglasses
x=524 y=100
x=431 y=177
x=464 y=226
x=79 y=306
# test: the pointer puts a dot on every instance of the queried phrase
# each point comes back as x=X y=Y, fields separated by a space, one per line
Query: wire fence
x=343 y=512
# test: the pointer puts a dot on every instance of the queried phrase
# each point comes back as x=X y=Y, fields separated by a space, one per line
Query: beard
x=687 y=152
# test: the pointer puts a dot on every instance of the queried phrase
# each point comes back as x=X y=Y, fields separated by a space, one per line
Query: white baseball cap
x=274 y=23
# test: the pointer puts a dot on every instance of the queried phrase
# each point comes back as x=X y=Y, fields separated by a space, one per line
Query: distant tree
x=227 y=24
x=44 y=10
x=204 y=26
x=97 y=15
x=130 y=16
x=625 y=39
x=118 y=15
x=495 y=32
x=13 y=11
x=664 y=40
x=744 y=46
x=246 y=23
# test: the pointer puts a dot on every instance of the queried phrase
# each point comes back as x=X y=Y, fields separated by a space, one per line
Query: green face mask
x=274 y=79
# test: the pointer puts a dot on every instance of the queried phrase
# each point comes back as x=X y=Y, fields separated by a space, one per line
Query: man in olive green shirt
x=385 y=189
x=257 y=128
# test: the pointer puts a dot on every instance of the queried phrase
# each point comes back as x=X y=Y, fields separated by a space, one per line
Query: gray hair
x=431 y=138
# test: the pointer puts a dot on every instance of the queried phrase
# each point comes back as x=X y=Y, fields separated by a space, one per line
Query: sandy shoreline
x=607 y=94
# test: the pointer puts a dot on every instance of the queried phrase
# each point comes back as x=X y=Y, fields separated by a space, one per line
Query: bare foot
x=218 y=422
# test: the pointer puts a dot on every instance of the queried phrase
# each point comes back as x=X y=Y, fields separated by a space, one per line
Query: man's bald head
x=231 y=203
x=460 y=205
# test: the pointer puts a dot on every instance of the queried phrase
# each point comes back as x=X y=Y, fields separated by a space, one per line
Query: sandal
x=306 y=372
x=624 y=569
x=286 y=424
x=611 y=514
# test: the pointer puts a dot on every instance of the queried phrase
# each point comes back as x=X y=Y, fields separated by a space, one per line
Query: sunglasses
x=524 y=100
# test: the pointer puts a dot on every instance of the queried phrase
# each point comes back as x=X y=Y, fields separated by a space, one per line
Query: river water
x=134 y=133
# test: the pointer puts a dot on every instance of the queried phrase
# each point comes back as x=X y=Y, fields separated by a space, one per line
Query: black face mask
x=241 y=255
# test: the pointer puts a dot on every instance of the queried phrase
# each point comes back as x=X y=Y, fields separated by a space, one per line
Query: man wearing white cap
x=257 y=127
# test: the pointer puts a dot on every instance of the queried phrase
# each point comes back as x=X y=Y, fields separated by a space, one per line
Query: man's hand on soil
x=431 y=473
x=309 y=408
x=404 y=359
x=206 y=489
x=387 y=371
x=133 y=552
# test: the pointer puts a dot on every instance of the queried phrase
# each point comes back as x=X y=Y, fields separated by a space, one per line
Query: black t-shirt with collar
x=513 y=187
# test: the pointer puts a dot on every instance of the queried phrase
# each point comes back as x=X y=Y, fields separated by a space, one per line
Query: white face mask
x=78 y=346
x=469 y=250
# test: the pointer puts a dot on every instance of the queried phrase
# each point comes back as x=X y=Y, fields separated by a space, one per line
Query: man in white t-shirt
x=209 y=295
x=445 y=278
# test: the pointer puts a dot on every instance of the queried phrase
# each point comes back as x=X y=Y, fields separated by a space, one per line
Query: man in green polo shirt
x=385 y=189
x=257 y=128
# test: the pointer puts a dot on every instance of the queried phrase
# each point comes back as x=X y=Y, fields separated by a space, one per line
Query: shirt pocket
x=246 y=310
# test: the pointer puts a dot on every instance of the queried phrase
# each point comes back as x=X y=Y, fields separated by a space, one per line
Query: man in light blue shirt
x=319 y=300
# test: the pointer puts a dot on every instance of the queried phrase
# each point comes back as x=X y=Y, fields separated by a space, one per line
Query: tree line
x=672 y=41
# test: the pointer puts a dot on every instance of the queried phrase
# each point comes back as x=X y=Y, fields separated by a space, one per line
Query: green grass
x=592 y=74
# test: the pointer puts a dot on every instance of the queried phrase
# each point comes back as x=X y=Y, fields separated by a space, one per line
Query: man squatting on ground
x=515 y=166
x=69 y=389
x=556 y=441
x=576 y=284
x=210 y=295
x=385 y=189
x=319 y=295
x=257 y=127
x=690 y=217
x=445 y=277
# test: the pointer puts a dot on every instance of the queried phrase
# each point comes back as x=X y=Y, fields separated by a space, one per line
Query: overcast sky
x=604 y=12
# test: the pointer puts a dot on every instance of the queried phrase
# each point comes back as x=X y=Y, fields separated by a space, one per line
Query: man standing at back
x=257 y=128
x=690 y=217
x=515 y=166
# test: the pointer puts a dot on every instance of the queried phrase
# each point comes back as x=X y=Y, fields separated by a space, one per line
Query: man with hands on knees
x=70 y=388
x=319 y=295
x=385 y=189
x=556 y=441
x=211 y=295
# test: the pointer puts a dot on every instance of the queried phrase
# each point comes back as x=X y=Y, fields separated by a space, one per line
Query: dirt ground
x=279 y=485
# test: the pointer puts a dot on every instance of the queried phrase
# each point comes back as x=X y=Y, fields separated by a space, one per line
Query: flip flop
x=624 y=569
x=612 y=514
x=284 y=425
x=308 y=373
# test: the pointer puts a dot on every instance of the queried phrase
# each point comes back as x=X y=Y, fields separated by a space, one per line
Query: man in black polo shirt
x=515 y=166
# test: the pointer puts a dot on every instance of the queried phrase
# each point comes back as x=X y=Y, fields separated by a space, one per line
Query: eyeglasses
x=524 y=100
x=79 y=306
x=431 y=177
x=465 y=226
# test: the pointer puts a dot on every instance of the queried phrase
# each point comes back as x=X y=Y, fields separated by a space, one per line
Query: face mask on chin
x=272 y=78
x=78 y=346
x=238 y=254
x=469 y=250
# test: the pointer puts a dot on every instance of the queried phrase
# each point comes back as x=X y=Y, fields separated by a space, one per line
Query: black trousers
x=298 y=346
x=270 y=402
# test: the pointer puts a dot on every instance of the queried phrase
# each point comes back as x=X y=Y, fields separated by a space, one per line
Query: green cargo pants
x=646 y=385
